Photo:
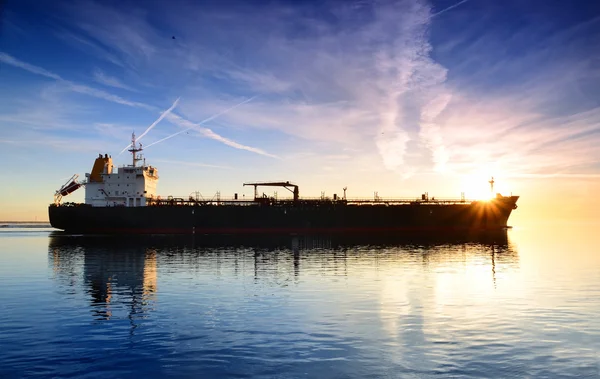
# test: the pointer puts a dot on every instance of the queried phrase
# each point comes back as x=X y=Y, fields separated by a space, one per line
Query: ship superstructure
x=127 y=186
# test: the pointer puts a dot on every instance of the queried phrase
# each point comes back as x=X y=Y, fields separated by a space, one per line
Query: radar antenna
x=134 y=150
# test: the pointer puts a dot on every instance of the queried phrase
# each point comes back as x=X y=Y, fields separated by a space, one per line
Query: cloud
x=90 y=91
x=43 y=141
x=75 y=87
x=42 y=110
x=364 y=79
x=192 y=164
x=86 y=45
x=110 y=81
x=557 y=175
x=501 y=138
x=256 y=81
x=362 y=82
x=116 y=29
x=10 y=60
x=430 y=133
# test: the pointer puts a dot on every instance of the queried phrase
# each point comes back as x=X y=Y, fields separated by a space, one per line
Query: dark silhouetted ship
x=124 y=201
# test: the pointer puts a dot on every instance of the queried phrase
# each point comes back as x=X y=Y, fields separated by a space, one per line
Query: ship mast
x=134 y=149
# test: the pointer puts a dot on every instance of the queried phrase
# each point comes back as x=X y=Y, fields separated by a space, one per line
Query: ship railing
x=306 y=201
x=398 y=200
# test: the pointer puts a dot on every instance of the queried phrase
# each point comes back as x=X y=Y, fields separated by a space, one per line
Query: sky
x=394 y=97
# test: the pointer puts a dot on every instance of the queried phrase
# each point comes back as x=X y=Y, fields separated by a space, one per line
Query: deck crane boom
x=287 y=185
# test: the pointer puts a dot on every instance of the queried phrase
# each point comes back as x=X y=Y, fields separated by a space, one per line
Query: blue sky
x=398 y=97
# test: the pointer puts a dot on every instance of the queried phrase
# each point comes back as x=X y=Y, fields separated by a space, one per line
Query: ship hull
x=268 y=219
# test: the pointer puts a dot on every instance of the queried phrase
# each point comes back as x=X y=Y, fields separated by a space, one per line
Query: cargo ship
x=125 y=201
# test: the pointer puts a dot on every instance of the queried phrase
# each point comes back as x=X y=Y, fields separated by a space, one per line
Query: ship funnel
x=102 y=165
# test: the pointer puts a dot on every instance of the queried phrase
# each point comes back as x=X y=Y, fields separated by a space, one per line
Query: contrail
x=450 y=7
x=163 y=115
x=212 y=135
x=166 y=138
x=191 y=126
x=227 y=110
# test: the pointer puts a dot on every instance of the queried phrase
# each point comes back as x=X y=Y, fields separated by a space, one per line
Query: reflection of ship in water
x=283 y=241
x=119 y=273
x=120 y=280
x=129 y=274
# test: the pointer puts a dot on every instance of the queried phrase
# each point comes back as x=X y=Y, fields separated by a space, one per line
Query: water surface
x=520 y=304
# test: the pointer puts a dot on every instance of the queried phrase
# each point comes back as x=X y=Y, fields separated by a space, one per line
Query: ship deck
x=308 y=201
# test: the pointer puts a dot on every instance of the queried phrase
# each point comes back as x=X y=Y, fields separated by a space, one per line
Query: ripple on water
x=94 y=308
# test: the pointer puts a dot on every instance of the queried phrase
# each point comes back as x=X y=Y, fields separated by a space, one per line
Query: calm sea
x=521 y=304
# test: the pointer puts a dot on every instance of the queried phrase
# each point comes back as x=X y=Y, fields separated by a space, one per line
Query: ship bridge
x=128 y=186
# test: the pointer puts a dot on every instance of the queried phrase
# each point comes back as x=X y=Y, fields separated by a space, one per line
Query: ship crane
x=70 y=186
x=287 y=185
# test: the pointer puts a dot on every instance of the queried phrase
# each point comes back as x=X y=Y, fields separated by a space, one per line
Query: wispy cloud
x=498 y=137
x=62 y=144
x=192 y=164
x=100 y=94
x=555 y=176
x=356 y=84
x=44 y=109
x=86 y=45
x=10 y=60
x=124 y=30
x=75 y=87
x=110 y=81
x=257 y=81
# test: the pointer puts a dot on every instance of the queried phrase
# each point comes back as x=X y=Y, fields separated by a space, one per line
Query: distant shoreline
x=25 y=222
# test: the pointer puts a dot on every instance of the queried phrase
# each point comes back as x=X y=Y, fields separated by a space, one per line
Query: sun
x=478 y=186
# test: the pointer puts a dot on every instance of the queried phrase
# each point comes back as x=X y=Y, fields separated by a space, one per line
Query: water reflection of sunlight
x=150 y=279
x=449 y=281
